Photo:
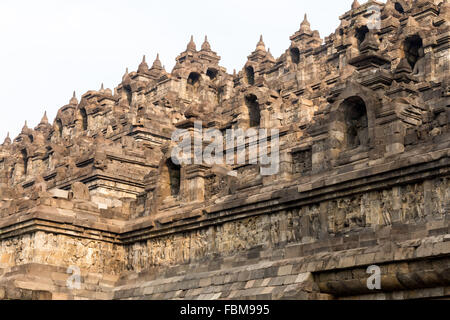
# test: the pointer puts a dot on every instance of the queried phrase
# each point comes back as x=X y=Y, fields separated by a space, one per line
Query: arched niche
x=59 y=127
x=194 y=78
x=250 y=75
x=254 y=111
x=128 y=94
x=356 y=123
x=295 y=55
x=413 y=49
x=83 y=118
x=399 y=8
x=24 y=155
x=361 y=33
x=212 y=73
x=170 y=179
x=193 y=82
x=352 y=123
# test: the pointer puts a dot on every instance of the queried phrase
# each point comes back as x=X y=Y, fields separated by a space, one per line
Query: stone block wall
x=363 y=179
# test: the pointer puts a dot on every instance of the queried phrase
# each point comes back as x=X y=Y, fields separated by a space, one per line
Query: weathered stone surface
x=80 y=191
x=363 y=179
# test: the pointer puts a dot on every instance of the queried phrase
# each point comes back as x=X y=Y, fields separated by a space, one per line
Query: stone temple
x=92 y=206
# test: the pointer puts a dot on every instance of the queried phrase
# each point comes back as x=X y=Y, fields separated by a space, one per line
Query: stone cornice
x=327 y=187
x=60 y=221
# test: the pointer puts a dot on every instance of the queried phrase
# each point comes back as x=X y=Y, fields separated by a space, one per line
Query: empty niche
x=295 y=55
x=254 y=112
x=302 y=160
x=84 y=119
x=59 y=127
x=399 y=8
x=128 y=95
x=193 y=81
x=250 y=75
x=24 y=155
x=174 y=178
x=212 y=73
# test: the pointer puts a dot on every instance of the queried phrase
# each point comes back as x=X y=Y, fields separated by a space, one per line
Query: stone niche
x=302 y=160
x=351 y=128
x=352 y=125
x=170 y=182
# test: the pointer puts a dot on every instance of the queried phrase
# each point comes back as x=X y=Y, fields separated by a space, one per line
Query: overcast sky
x=50 y=48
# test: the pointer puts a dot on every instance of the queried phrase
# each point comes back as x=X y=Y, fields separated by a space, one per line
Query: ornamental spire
x=191 y=45
x=7 y=141
x=126 y=75
x=143 y=67
x=157 y=63
x=261 y=46
x=206 y=46
x=44 y=119
x=73 y=101
x=25 y=127
x=305 y=26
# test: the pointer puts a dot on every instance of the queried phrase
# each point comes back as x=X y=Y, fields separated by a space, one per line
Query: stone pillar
x=151 y=183
x=265 y=119
x=319 y=150
x=306 y=111
x=397 y=209
x=194 y=183
x=394 y=138
x=337 y=138
x=430 y=63
x=286 y=168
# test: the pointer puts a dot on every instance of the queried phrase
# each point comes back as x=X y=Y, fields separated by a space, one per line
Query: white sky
x=50 y=48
